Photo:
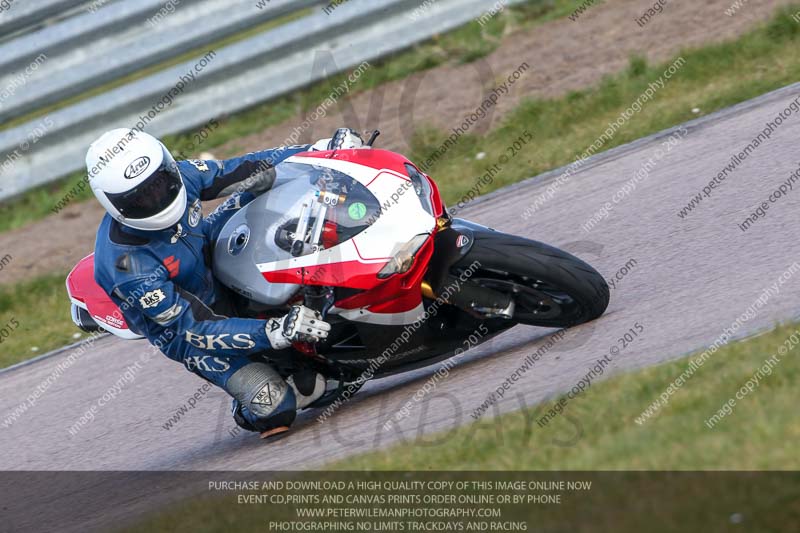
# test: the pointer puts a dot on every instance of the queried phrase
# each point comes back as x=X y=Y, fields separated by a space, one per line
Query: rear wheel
x=549 y=286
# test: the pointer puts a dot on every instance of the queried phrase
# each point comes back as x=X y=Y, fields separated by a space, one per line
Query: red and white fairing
x=86 y=294
x=356 y=263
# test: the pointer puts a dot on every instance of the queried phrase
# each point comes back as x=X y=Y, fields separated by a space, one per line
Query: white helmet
x=136 y=179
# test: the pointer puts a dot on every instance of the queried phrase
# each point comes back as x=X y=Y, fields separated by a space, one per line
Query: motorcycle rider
x=153 y=251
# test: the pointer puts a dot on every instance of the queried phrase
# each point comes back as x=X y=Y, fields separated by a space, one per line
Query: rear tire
x=550 y=287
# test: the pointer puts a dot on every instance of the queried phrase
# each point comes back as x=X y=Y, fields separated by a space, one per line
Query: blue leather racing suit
x=163 y=284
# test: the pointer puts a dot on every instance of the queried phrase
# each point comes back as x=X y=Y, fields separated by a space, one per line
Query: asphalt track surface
x=693 y=277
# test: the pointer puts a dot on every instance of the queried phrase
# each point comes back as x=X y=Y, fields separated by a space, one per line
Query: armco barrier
x=21 y=13
x=240 y=75
x=149 y=39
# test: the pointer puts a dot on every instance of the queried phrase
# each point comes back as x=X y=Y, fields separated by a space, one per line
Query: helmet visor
x=153 y=195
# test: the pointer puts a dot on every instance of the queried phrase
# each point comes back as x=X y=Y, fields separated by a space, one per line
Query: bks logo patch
x=152 y=298
x=264 y=396
x=226 y=341
x=270 y=395
x=206 y=363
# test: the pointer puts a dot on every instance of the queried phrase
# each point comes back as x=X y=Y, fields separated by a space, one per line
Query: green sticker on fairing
x=357 y=210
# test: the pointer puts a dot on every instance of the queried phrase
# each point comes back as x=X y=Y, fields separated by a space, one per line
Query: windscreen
x=325 y=207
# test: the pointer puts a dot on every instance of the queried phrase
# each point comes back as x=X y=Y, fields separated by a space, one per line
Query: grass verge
x=462 y=45
x=597 y=431
x=40 y=310
x=712 y=78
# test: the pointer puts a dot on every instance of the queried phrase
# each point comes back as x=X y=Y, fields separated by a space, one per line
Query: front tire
x=550 y=287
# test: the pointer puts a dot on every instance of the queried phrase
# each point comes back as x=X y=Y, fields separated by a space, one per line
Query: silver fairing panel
x=248 y=239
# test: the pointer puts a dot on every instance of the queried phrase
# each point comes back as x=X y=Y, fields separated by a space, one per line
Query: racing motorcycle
x=363 y=237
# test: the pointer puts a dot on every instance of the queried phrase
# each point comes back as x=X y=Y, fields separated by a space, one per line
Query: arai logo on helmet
x=136 y=168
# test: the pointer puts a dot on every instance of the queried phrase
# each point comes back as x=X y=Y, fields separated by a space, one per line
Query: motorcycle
x=362 y=236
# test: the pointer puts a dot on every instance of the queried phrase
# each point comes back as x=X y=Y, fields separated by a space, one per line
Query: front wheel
x=549 y=287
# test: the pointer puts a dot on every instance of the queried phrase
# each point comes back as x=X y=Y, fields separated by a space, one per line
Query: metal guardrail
x=140 y=44
x=22 y=13
x=239 y=76
x=73 y=32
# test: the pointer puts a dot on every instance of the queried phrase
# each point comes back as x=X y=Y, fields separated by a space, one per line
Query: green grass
x=465 y=44
x=41 y=308
x=714 y=77
x=597 y=431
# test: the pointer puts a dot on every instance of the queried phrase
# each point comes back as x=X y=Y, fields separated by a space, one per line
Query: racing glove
x=343 y=139
x=301 y=324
